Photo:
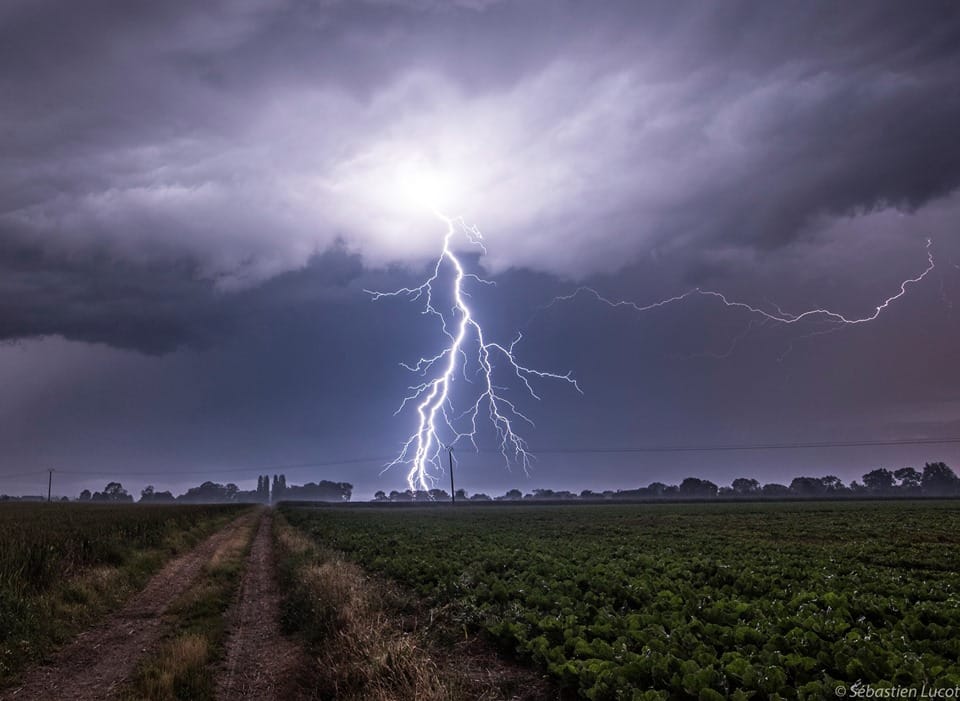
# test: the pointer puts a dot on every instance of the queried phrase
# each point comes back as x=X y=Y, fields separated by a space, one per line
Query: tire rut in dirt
x=100 y=660
x=259 y=663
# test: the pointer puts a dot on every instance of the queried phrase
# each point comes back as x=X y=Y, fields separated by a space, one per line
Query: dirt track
x=259 y=662
x=101 y=659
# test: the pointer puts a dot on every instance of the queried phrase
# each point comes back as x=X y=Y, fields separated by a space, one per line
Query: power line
x=707 y=448
x=745 y=446
x=233 y=471
x=24 y=474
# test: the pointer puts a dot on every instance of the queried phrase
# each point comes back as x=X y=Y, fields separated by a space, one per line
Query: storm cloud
x=178 y=175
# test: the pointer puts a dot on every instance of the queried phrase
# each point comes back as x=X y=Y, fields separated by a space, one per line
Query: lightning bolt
x=778 y=316
x=465 y=346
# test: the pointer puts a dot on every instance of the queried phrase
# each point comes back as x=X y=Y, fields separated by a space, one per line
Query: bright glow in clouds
x=466 y=358
x=426 y=188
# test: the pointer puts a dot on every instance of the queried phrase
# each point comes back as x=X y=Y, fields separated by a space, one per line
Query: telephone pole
x=49 y=484
x=453 y=494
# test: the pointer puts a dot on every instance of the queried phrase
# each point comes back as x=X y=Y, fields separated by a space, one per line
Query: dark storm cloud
x=153 y=308
x=172 y=129
x=213 y=184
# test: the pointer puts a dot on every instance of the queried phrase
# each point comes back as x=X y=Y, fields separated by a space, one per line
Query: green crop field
x=685 y=601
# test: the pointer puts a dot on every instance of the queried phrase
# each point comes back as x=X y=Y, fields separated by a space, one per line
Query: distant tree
x=479 y=496
x=207 y=493
x=857 y=488
x=512 y=495
x=85 y=495
x=437 y=495
x=879 y=481
x=833 y=485
x=114 y=491
x=695 y=488
x=324 y=490
x=380 y=496
x=231 y=491
x=657 y=489
x=807 y=487
x=461 y=494
x=590 y=494
x=745 y=487
x=774 y=490
x=909 y=478
x=939 y=480
x=146 y=494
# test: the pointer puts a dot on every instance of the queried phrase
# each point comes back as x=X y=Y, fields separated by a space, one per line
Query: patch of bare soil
x=260 y=663
x=101 y=660
x=478 y=671
x=488 y=676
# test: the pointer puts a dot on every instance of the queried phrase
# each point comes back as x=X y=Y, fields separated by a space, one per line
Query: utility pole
x=49 y=484
x=453 y=494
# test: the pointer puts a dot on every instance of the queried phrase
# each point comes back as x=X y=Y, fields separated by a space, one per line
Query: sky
x=196 y=198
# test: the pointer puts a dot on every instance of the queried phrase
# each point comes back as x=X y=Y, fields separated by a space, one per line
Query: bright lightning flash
x=439 y=424
x=778 y=316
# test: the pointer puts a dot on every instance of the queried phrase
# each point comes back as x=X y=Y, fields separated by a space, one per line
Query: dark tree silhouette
x=909 y=478
x=745 y=487
x=114 y=491
x=879 y=481
x=772 y=489
x=318 y=491
x=939 y=480
x=698 y=488
x=807 y=487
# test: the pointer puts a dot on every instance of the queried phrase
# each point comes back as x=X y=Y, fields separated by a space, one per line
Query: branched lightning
x=465 y=346
x=778 y=315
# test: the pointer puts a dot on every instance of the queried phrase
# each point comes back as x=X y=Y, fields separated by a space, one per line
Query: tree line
x=936 y=479
x=267 y=491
